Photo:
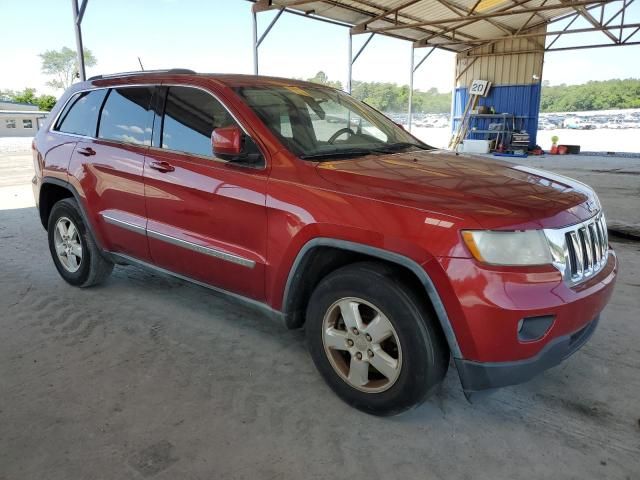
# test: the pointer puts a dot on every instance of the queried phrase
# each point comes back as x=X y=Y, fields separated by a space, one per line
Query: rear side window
x=127 y=115
x=80 y=115
x=190 y=116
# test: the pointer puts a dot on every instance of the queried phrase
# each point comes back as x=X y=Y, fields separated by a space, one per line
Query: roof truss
x=460 y=25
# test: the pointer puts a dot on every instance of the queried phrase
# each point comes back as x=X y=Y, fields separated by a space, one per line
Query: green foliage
x=322 y=79
x=389 y=97
x=46 y=102
x=602 y=95
x=63 y=64
x=28 y=95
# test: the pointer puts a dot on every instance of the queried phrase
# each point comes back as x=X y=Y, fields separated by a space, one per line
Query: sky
x=215 y=36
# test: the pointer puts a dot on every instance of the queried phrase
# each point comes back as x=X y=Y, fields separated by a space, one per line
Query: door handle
x=163 y=167
x=87 y=152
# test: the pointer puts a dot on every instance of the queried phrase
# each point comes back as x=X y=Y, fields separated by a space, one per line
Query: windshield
x=320 y=122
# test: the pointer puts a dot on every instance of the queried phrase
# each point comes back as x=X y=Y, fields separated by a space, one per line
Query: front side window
x=80 y=115
x=190 y=116
x=127 y=115
x=316 y=122
x=27 y=123
x=10 y=123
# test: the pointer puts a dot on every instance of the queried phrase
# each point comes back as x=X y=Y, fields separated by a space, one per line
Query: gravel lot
x=150 y=377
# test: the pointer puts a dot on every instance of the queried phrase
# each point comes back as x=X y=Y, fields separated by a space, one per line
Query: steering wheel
x=335 y=136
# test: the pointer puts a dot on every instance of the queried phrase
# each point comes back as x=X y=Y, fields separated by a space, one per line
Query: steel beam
x=482 y=41
x=589 y=18
x=503 y=13
x=625 y=4
x=361 y=48
x=350 y=63
x=411 y=72
x=77 y=24
x=361 y=27
x=565 y=29
x=582 y=47
x=255 y=42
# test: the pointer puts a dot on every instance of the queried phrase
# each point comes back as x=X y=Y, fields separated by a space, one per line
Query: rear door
x=207 y=216
x=109 y=169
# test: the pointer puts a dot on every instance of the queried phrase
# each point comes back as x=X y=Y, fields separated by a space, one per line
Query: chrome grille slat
x=579 y=251
x=597 y=247
x=579 y=257
x=587 y=249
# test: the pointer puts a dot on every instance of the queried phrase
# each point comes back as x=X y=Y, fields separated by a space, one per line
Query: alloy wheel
x=361 y=345
x=66 y=238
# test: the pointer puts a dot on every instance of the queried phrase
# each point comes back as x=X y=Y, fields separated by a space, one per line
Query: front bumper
x=487 y=304
x=476 y=376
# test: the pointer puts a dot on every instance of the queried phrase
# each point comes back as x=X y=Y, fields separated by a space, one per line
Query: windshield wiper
x=357 y=152
x=351 y=152
x=394 y=147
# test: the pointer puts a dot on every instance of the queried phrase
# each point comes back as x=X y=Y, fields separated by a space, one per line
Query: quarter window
x=27 y=123
x=127 y=115
x=80 y=115
x=190 y=116
x=10 y=123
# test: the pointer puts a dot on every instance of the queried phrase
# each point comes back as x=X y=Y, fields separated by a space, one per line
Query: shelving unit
x=507 y=134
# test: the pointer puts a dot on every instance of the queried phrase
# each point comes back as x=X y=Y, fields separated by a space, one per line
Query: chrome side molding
x=212 y=252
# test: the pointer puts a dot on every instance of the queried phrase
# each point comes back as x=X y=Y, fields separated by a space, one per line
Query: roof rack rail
x=141 y=72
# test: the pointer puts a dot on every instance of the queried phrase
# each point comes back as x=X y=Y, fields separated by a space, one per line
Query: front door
x=206 y=216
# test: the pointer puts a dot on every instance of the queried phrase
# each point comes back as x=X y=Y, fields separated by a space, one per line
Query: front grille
x=588 y=249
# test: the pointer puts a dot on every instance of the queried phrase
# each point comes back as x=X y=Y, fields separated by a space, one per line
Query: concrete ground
x=615 y=179
x=150 y=377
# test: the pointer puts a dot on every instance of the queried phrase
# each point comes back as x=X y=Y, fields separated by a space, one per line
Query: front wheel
x=372 y=339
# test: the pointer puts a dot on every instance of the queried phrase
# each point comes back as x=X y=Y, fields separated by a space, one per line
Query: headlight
x=508 y=248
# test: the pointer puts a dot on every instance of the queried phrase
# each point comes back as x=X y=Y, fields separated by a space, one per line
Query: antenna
x=140 y=62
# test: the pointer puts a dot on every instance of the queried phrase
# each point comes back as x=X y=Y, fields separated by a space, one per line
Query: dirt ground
x=150 y=377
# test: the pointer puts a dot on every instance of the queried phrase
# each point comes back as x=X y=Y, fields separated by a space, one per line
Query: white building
x=20 y=119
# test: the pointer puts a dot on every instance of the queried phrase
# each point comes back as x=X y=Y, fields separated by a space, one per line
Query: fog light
x=534 y=328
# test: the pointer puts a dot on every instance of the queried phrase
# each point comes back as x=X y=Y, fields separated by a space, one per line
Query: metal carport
x=478 y=31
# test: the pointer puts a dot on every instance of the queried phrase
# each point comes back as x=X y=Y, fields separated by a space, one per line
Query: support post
x=350 y=63
x=77 y=24
x=411 y=72
x=255 y=42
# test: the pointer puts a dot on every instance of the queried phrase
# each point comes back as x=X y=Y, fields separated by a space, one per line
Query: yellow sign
x=485 y=5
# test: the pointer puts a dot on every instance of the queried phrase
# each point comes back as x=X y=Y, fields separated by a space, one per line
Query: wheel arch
x=55 y=189
x=297 y=290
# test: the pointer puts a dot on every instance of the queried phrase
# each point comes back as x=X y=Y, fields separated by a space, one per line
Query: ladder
x=463 y=128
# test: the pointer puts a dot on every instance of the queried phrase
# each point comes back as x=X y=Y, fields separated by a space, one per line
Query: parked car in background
x=576 y=123
x=319 y=210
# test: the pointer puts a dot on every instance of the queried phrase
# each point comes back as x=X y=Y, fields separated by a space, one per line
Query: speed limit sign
x=480 y=87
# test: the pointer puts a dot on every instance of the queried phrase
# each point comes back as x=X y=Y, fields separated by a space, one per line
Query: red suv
x=318 y=209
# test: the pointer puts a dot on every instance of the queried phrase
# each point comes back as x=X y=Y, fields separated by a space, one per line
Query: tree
x=63 y=64
x=46 y=102
x=323 y=79
x=28 y=95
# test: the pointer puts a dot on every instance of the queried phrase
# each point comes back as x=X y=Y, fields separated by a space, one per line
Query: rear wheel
x=74 y=252
x=373 y=340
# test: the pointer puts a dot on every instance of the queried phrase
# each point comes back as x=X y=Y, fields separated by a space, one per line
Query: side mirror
x=227 y=141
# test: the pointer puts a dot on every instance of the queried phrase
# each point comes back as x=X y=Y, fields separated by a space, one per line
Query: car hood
x=493 y=194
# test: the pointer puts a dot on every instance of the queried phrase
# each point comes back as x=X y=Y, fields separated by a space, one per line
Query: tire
x=414 y=357
x=75 y=255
